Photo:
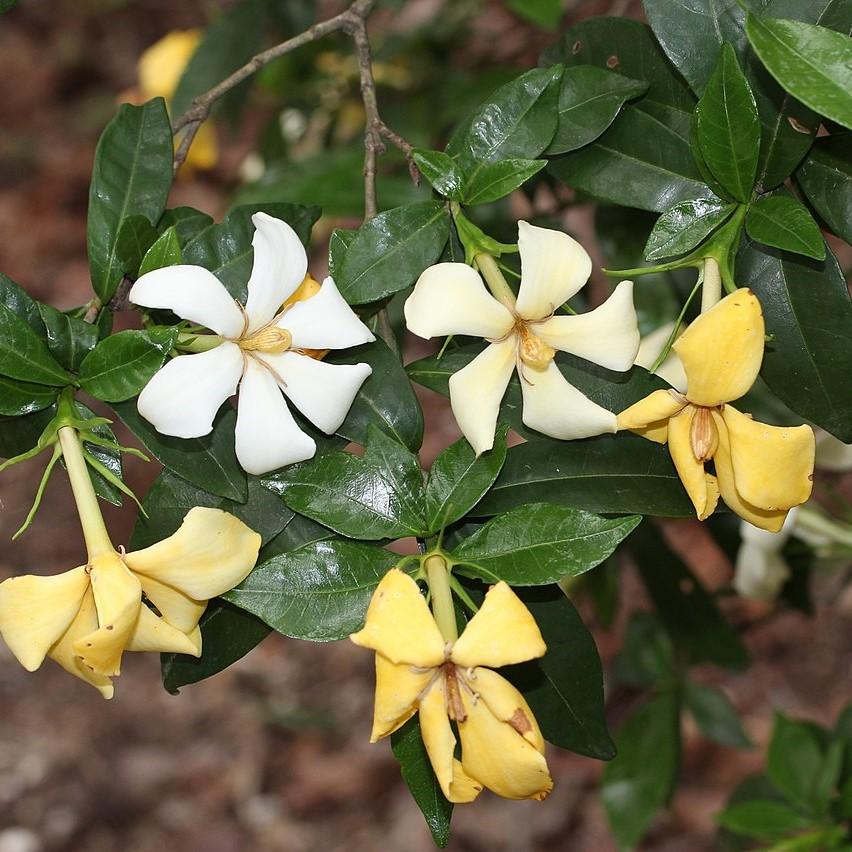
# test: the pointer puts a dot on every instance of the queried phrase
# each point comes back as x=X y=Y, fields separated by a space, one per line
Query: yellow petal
x=399 y=624
x=398 y=689
x=196 y=639
x=721 y=351
x=204 y=151
x=700 y=486
x=155 y=634
x=118 y=598
x=36 y=611
x=178 y=609
x=162 y=64
x=497 y=755
x=501 y=633
x=649 y=417
x=766 y=519
x=211 y=553
x=773 y=465
x=85 y=622
x=671 y=370
x=440 y=744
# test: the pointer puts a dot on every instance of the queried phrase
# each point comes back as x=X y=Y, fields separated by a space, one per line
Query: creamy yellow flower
x=86 y=618
x=416 y=670
x=761 y=471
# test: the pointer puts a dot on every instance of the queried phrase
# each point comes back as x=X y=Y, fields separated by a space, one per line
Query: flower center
x=455 y=705
x=703 y=434
x=271 y=339
x=533 y=351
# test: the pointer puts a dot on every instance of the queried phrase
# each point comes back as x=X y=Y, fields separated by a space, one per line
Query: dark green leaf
x=338 y=245
x=565 y=687
x=110 y=458
x=808 y=313
x=715 y=716
x=759 y=818
x=319 y=592
x=164 y=252
x=640 y=779
x=647 y=657
x=24 y=355
x=187 y=222
x=17 y=300
x=458 y=479
x=794 y=762
x=391 y=250
x=545 y=13
x=540 y=543
x=441 y=171
x=135 y=236
x=728 y=127
x=208 y=462
x=809 y=61
x=685 y=225
x=68 y=338
x=417 y=772
x=783 y=222
x=825 y=176
x=19 y=434
x=374 y=497
x=18 y=398
x=496 y=180
x=120 y=366
x=132 y=176
x=589 y=100
x=298 y=532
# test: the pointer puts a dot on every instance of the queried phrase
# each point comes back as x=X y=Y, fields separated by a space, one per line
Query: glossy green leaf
x=391 y=250
x=135 y=236
x=441 y=171
x=338 y=245
x=825 y=177
x=122 y=364
x=209 y=462
x=808 y=314
x=68 y=338
x=459 y=478
x=417 y=772
x=540 y=543
x=809 y=61
x=225 y=248
x=24 y=355
x=794 y=762
x=132 y=176
x=685 y=225
x=496 y=180
x=319 y=592
x=728 y=127
x=589 y=100
x=715 y=716
x=759 y=818
x=19 y=302
x=374 y=497
x=19 y=434
x=565 y=687
x=386 y=399
x=187 y=222
x=18 y=398
x=783 y=222
x=164 y=252
x=109 y=457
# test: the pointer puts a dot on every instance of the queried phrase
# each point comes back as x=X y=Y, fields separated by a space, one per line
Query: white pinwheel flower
x=451 y=298
x=262 y=352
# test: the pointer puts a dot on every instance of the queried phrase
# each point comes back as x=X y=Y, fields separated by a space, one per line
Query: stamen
x=271 y=340
x=455 y=706
x=533 y=351
x=703 y=435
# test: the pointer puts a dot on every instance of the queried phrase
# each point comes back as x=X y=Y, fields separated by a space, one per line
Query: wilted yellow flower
x=417 y=671
x=761 y=471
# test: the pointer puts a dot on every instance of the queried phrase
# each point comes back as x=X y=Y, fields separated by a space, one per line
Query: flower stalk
x=438 y=577
x=495 y=280
x=711 y=287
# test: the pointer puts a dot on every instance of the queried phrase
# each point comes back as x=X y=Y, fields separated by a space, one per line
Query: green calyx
x=475 y=240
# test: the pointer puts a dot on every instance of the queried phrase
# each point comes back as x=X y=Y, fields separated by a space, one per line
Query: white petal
x=325 y=321
x=608 y=335
x=760 y=574
x=322 y=392
x=280 y=266
x=477 y=390
x=451 y=298
x=553 y=268
x=182 y=399
x=267 y=434
x=650 y=347
x=194 y=294
x=556 y=408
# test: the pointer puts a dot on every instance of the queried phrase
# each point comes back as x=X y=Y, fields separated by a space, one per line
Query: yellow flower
x=416 y=670
x=761 y=471
x=86 y=618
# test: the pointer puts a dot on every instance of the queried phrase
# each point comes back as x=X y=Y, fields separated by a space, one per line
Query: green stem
x=39 y=493
x=815 y=522
x=438 y=578
x=497 y=284
x=711 y=289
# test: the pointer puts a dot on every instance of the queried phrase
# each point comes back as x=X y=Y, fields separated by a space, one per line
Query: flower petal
x=322 y=392
x=608 y=335
x=118 y=599
x=773 y=465
x=325 y=321
x=36 y=611
x=722 y=350
x=760 y=573
x=211 y=552
x=502 y=632
x=399 y=624
x=451 y=298
x=267 y=435
x=440 y=744
x=556 y=408
x=398 y=689
x=650 y=416
x=650 y=347
x=700 y=485
x=495 y=753
x=193 y=293
x=280 y=266
x=553 y=268
x=182 y=399
x=161 y=66
x=178 y=609
x=155 y=634
x=507 y=704
x=477 y=390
